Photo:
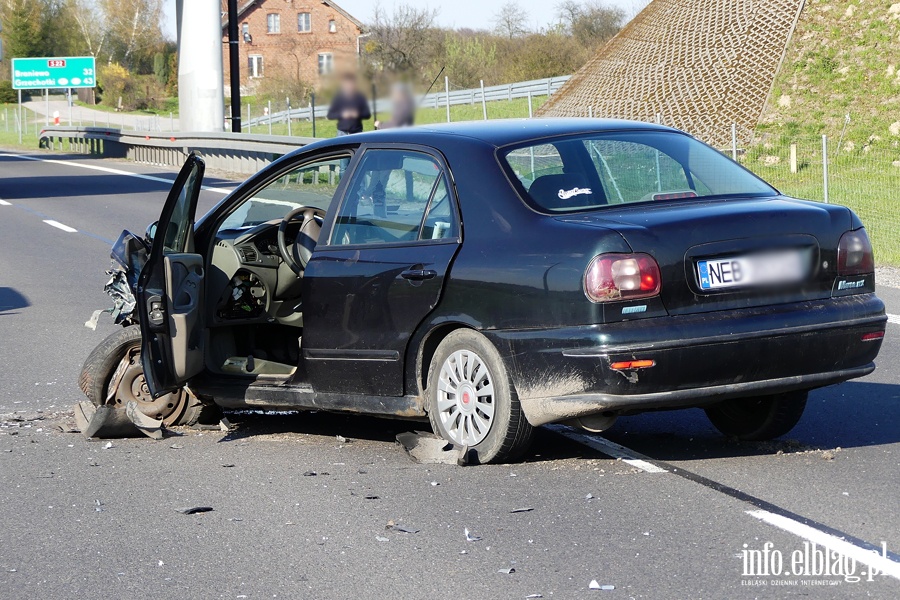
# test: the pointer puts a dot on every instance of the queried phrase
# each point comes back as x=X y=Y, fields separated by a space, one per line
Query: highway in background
x=300 y=512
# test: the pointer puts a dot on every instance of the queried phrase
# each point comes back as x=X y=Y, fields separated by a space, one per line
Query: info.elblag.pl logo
x=811 y=565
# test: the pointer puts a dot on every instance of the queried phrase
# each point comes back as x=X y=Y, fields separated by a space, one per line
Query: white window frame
x=332 y=26
x=325 y=63
x=255 y=66
x=273 y=23
x=300 y=22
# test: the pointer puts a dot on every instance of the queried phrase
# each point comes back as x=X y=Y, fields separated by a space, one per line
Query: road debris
x=595 y=585
x=403 y=529
x=382 y=538
x=107 y=446
x=531 y=596
x=471 y=537
x=192 y=510
x=508 y=571
x=373 y=497
x=341 y=439
x=429 y=449
x=176 y=447
x=310 y=474
x=227 y=465
x=521 y=510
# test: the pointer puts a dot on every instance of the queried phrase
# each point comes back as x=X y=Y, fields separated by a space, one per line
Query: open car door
x=170 y=290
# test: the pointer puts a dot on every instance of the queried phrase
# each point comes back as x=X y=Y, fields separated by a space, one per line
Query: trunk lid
x=679 y=235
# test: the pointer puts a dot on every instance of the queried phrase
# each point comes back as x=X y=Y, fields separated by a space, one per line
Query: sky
x=474 y=14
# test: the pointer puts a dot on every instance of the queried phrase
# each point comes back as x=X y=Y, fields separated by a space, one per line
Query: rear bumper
x=700 y=359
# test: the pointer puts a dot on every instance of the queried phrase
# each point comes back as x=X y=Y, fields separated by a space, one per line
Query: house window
x=304 y=22
x=326 y=63
x=255 y=65
x=273 y=23
x=332 y=26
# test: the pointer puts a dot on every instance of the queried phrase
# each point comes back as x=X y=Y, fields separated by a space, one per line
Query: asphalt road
x=670 y=519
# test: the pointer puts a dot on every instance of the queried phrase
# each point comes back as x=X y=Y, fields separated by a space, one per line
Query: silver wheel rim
x=465 y=399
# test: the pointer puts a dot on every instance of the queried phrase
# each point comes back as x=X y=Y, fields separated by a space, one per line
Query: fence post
x=269 y=106
x=530 y=108
x=825 y=166
x=483 y=102
x=793 y=158
x=509 y=92
x=249 y=121
x=447 y=89
x=734 y=142
x=288 y=102
x=312 y=112
x=590 y=112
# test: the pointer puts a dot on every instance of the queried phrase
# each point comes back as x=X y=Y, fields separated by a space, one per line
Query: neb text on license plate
x=758 y=269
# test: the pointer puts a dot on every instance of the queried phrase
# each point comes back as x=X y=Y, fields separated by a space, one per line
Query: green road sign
x=61 y=72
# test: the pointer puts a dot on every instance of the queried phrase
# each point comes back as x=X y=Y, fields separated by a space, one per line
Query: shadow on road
x=853 y=414
x=850 y=415
x=11 y=300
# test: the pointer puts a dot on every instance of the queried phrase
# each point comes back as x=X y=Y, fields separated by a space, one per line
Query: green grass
x=9 y=136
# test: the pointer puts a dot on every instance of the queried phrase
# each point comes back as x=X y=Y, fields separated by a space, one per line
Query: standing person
x=349 y=107
x=403 y=108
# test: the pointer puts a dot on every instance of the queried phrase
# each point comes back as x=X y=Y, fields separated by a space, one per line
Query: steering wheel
x=306 y=239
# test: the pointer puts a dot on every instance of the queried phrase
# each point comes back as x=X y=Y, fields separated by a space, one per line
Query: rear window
x=582 y=173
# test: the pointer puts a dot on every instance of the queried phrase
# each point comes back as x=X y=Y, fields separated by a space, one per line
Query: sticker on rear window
x=566 y=194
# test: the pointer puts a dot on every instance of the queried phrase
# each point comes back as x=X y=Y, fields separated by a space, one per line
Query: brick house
x=293 y=39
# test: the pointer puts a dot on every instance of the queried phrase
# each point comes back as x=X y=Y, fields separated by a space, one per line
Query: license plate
x=769 y=268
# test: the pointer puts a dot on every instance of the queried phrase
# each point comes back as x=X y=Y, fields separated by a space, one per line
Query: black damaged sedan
x=493 y=277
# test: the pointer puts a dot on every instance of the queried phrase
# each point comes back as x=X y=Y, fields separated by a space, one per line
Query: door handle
x=418 y=274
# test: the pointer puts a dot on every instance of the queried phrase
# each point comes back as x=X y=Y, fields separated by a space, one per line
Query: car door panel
x=364 y=306
x=184 y=295
x=170 y=290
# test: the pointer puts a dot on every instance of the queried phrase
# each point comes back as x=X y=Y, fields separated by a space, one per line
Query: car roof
x=501 y=132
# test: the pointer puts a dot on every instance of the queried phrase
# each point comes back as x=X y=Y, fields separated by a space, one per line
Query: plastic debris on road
x=508 y=571
x=521 y=510
x=470 y=537
x=595 y=585
x=192 y=510
x=429 y=449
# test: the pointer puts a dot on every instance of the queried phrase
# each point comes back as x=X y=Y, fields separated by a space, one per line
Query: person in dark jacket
x=349 y=107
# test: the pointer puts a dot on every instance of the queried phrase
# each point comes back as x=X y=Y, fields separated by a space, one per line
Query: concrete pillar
x=201 y=94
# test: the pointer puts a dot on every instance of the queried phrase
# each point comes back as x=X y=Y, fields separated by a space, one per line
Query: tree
x=402 y=41
x=23 y=28
x=591 y=23
x=468 y=58
x=133 y=28
x=511 y=21
x=91 y=23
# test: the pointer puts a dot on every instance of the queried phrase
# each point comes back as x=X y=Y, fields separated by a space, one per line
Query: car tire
x=460 y=403
x=758 y=418
x=101 y=365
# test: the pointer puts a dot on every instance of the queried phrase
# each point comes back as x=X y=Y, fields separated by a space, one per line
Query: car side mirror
x=151 y=232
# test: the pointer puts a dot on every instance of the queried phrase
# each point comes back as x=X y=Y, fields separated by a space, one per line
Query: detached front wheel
x=471 y=401
x=759 y=418
x=112 y=374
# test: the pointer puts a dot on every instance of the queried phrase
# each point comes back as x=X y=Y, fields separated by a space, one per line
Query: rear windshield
x=591 y=171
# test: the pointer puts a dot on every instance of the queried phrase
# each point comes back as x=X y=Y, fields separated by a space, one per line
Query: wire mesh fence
x=860 y=174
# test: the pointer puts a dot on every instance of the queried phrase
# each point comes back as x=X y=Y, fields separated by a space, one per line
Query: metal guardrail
x=522 y=89
x=231 y=152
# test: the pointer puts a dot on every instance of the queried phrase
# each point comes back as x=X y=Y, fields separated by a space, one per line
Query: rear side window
x=396 y=196
x=583 y=173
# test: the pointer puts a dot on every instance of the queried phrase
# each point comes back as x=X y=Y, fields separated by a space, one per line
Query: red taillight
x=871 y=337
x=854 y=255
x=621 y=277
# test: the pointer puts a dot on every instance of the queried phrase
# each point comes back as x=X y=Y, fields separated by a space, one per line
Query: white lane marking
x=69 y=163
x=5 y=203
x=836 y=544
x=59 y=225
x=607 y=447
x=895 y=319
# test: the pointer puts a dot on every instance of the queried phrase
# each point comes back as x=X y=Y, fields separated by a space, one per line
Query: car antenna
x=422 y=99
